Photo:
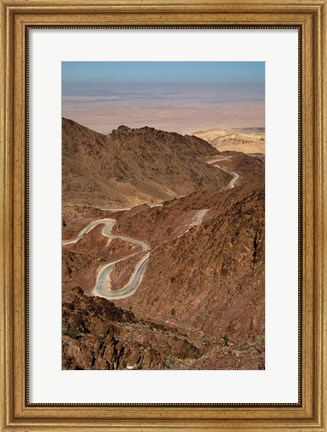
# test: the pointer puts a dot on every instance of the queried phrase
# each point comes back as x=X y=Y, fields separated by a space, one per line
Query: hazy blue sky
x=178 y=96
x=162 y=72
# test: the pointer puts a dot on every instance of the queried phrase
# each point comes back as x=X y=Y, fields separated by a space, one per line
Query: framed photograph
x=163 y=218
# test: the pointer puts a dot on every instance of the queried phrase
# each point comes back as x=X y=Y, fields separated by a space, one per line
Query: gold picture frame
x=16 y=413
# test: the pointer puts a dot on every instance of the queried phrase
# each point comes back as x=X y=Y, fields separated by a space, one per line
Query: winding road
x=214 y=162
x=102 y=285
x=103 y=282
x=108 y=225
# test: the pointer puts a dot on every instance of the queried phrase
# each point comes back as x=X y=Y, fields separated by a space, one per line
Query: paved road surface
x=102 y=286
x=214 y=162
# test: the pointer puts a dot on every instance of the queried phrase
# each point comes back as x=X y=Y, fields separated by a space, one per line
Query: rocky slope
x=99 y=335
x=210 y=279
x=133 y=166
x=201 y=301
x=207 y=284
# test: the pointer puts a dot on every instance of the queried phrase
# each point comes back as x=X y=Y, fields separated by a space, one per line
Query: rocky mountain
x=133 y=166
x=211 y=278
x=200 y=302
x=99 y=335
x=204 y=284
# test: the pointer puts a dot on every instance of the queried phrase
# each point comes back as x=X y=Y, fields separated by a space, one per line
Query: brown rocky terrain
x=99 y=335
x=200 y=304
x=132 y=166
x=211 y=279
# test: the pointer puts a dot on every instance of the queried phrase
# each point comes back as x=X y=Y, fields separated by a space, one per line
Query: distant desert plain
x=163 y=248
x=245 y=140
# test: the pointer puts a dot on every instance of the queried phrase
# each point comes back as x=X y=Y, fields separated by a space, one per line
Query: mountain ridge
x=134 y=166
